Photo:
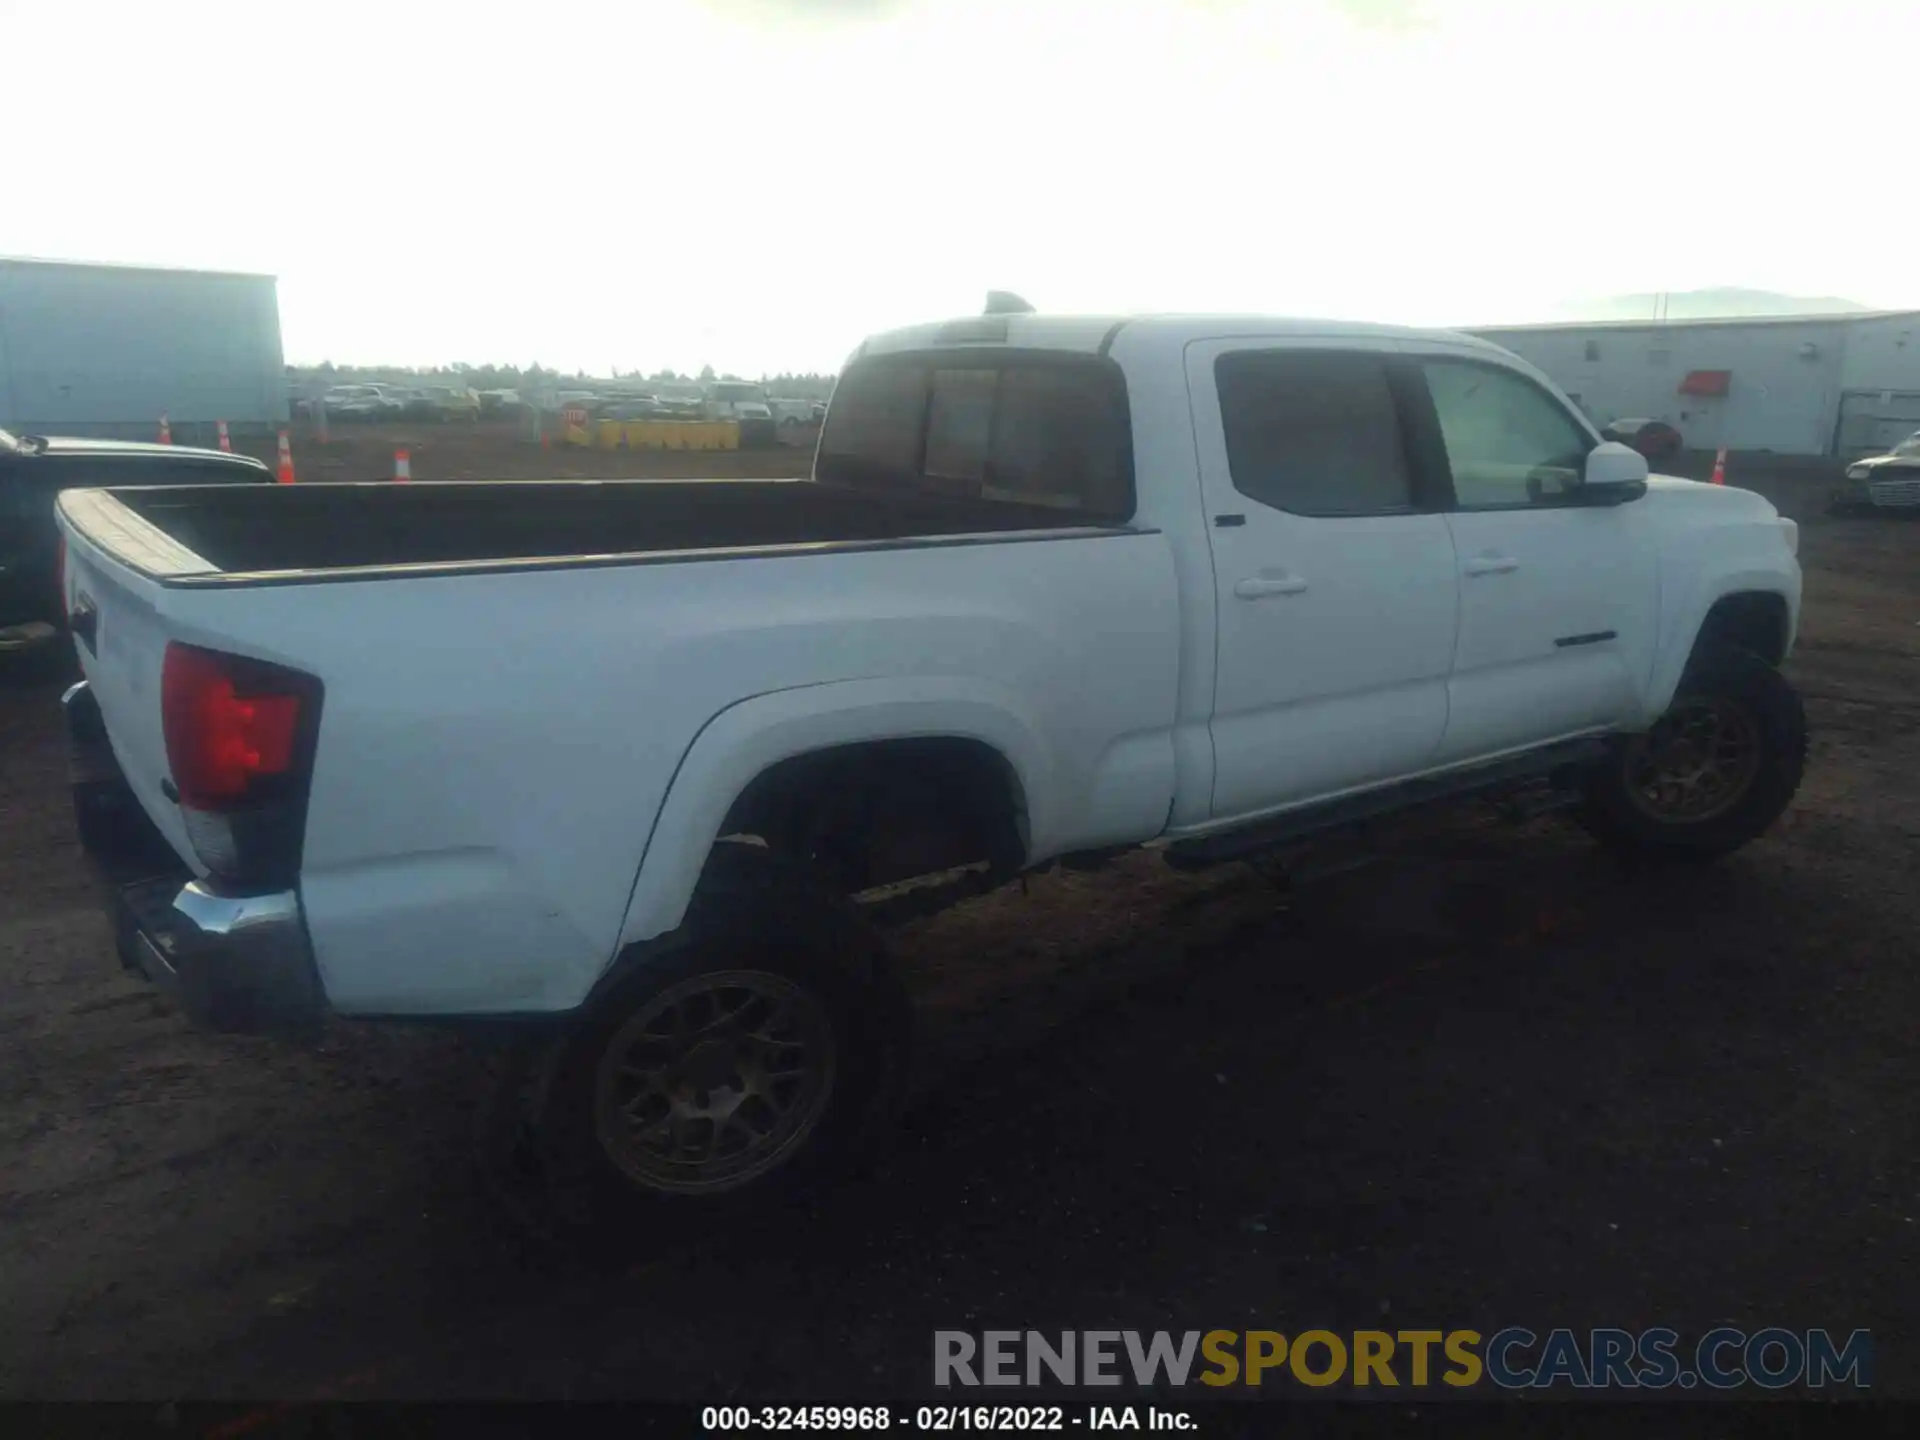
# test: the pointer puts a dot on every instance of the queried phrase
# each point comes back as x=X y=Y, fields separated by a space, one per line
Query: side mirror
x=1614 y=474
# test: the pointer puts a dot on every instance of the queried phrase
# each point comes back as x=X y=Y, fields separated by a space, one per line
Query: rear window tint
x=1313 y=432
x=960 y=424
x=1019 y=428
x=874 y=426
x=1060 y=440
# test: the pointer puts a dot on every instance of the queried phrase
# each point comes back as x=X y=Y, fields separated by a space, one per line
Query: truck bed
x=252 y=529
x=510 y=680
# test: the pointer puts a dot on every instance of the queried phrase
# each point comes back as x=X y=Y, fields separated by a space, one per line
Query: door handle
x=1492 y=565
x=1259 y=587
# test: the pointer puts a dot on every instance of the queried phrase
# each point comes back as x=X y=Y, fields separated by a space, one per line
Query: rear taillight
x=239 y=735
x=60 y=576
x=226 y=730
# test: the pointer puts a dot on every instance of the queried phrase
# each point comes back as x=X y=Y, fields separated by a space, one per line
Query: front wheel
x=1714 y=772
x=755 y=1050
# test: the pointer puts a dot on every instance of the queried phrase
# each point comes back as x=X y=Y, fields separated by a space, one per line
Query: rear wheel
x=714 y=1081
x=1714 y=772
x=755 y=1051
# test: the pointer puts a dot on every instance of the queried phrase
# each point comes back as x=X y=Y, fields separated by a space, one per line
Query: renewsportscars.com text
x=1515 y=1358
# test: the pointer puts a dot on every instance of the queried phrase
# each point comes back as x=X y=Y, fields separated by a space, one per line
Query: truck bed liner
x=319 y=527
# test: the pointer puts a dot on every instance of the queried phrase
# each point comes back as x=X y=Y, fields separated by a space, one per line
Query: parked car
x=564 y=400
x=746 y=404
x=629 y=407
x=793 y=415
x=363 y=402
x=34 y=469
x=494 y=402
x=441 y=403
x=1882 y=482
x=1655 y=439
x=1056 y=588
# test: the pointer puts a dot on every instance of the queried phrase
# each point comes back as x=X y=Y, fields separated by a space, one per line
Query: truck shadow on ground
x=1465 y=1075
x=1494 y=1076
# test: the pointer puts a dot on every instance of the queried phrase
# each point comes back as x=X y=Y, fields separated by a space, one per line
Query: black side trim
x=1594 y=639
x=1228 y=522
x=1379 y=803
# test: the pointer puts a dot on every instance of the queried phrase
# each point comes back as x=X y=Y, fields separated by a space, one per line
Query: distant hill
x=1723 y=304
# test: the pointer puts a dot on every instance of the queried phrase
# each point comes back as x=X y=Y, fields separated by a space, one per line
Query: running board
x=1390 y=801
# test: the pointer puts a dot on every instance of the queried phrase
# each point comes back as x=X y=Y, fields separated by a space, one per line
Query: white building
x=1801 y=385
x=109 y=349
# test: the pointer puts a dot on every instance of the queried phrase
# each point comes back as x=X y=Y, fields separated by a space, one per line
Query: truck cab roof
x=1094 y=334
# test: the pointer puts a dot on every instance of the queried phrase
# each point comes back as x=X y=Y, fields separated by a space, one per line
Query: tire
x=757 y=927
x=1751 y=704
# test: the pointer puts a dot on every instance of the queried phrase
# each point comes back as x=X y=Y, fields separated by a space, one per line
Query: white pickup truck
x=635 y=759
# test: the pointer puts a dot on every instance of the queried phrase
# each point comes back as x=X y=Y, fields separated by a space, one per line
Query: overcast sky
x=757 y=183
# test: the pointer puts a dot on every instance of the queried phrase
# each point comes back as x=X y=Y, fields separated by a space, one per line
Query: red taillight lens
x=229 y=725
x=60 y=575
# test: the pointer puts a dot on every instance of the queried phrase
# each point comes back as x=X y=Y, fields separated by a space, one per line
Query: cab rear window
x=1022 y=428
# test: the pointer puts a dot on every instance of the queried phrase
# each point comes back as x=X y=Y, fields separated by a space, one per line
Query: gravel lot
x=1495 y=1081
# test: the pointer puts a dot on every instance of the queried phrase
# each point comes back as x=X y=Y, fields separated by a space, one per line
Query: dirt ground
x=1494 y=1081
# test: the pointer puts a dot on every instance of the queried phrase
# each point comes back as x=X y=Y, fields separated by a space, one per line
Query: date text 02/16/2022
x=936 y=1419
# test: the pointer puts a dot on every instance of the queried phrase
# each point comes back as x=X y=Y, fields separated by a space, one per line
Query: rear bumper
x=233 y=962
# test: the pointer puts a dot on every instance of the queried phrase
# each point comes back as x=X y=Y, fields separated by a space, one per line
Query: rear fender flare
x=746 y=739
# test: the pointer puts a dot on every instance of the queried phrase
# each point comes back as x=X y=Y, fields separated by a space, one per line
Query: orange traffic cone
x=226 y=443
x=1719 y=467
x=285 y=474
x=166 y=431
x=402 y=467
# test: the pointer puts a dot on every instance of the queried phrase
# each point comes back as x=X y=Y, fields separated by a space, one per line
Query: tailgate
x=121 y=639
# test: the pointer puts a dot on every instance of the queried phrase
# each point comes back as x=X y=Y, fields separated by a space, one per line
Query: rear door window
x=1314 y=432
x=1036 y=431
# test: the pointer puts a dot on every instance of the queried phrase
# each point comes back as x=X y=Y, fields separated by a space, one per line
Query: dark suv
x=35 y=468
